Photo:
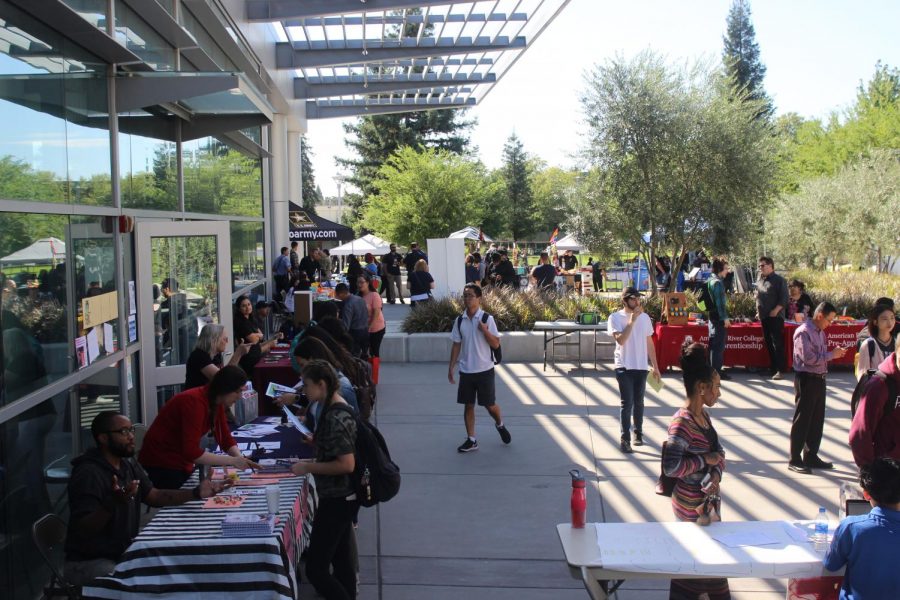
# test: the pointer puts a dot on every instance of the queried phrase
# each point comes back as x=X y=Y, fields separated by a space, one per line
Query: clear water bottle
x=820 y=533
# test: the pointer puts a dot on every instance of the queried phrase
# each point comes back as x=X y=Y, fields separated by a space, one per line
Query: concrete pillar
x=295 y=188
x=280 y=178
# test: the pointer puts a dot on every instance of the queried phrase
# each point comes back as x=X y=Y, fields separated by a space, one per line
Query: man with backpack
x=712 y=295
x=875 y=430
x=475 y=338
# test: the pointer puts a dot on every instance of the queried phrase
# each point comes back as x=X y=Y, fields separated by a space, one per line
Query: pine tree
x=741 y=55
x=519 y=199
x=308 y=189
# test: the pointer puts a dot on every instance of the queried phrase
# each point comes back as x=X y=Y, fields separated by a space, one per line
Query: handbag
x=664 y=484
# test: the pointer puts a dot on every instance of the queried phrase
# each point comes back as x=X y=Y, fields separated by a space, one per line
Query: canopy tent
x=307 y=226
x=570 y=243
x=43 y=251
x=469 y=233
x=360 y=246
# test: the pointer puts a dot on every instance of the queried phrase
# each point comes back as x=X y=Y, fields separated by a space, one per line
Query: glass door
x=183 y=283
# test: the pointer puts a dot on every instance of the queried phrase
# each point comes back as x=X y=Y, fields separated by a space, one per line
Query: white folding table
x=554 y=330
x=682 y=550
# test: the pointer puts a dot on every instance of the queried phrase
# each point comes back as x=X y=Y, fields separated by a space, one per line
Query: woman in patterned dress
x=693 y=451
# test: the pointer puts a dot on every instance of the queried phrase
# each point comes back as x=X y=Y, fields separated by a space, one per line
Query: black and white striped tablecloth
x=181 y=552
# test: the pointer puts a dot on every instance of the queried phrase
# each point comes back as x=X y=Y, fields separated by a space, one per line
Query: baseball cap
x=630 y=292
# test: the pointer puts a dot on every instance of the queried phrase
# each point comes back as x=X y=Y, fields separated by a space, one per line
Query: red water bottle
x=579 y=499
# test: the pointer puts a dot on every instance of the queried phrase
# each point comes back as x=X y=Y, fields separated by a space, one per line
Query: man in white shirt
x=633 y=332
x=474 y=334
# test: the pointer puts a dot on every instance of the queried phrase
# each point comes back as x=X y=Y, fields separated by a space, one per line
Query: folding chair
x=49 y=532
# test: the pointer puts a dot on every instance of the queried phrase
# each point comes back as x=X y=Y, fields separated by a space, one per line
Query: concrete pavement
x=482 y=525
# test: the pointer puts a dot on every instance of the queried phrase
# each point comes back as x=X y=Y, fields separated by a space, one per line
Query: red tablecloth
x=745 y=346
x=274 y=367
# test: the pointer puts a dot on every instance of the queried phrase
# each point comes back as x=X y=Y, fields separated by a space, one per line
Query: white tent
x=360 y=246
x=469 y=233
x=570 y=243
x=43 y=251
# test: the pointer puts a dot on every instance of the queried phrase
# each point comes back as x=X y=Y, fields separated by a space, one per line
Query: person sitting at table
x=862 y=542
x=799 y=302
x=692 y=452
x=206 y=358
x=246 y=331
x=105 y=491
x=307 y=349
x=331 y=557
x=174 y=443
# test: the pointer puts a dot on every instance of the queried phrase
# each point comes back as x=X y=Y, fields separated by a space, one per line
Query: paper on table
x=797 y=530
x=268 y=445
x=745 y=538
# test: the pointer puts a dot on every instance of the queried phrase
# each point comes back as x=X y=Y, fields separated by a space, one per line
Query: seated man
x=106 y=489
x=862 y=543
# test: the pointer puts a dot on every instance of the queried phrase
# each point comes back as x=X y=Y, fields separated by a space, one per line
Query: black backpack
x=863 y=382
x=376 y=478
x=706 y=302
x=496 y=353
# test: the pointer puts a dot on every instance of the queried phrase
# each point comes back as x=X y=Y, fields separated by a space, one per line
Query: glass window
x=96 y=394
x=246 y=253
x=136 y=35
x=35 y=450
x=87 y=141
x=133 y=394
x=149 y=172
x=35 y=273
x=220 y=180
x=205 y=40
x=130 y=287
x=95 y=290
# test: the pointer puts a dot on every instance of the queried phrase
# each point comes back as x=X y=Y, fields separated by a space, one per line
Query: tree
x=554 y=191
x=308 y=189
x=518 y=199
x=677 y=155
x=741 y=55
x=427 y=193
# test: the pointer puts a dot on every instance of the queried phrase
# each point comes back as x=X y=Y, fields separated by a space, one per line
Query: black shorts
x=476 y=385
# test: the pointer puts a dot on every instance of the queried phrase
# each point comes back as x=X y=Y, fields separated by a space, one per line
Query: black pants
x=809 y=415
x=167 y=479
x=773 y=333
x=331 y=556
x=360 y=342
x=375 y=343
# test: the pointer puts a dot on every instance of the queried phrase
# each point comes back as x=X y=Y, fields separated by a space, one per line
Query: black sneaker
x=814 y=462
x=625 y=446
x=724 y=376
x=799 y=467
x=468 y=446
x=638 y=439
x=504 y=434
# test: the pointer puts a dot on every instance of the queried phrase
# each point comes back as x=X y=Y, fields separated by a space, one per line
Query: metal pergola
x=367 y=57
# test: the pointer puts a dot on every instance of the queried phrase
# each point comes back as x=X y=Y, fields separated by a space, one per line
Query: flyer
x=81 y=351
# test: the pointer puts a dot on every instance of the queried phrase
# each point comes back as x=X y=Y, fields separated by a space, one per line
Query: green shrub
x=855 y=291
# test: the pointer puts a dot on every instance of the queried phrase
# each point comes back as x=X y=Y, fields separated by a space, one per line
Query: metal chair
x=49 y=532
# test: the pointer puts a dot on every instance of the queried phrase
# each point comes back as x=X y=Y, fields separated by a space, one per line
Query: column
x=280 y=184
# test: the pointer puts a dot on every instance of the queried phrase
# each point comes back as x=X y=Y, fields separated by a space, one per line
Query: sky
x=815 y=52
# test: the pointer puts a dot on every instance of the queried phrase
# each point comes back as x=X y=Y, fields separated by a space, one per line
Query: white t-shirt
x=475 y=352
x=633 y=355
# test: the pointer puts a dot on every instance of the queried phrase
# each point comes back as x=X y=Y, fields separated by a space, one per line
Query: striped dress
x=687 y=444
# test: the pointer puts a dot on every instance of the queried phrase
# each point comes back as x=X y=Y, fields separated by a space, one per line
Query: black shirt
x=420 y=283
x=90 y=487
x=391 y=262
x=545 y=275
x=243 y=327
x=310 y=266
x=412 y=258
x=507 y=273
x=569 y=261
x=196 y=362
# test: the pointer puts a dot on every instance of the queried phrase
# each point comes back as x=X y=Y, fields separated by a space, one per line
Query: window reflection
x=149 y=171
x=247 y=264
x=220 y=180
x=96 y=298
x=34 y=274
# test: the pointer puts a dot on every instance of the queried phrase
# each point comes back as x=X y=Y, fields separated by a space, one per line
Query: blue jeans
x=717 y=335
x=632 y=383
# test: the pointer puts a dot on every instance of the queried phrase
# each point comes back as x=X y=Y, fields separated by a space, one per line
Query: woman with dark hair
x=799 y=302
x=354 y=270
x=356 y=370
x=311 y=348
x=331 y=556
x=696 y=459
x=338 y=332
x=174 y=443
x=880 y=342
x=247 y=332
x=376 y=316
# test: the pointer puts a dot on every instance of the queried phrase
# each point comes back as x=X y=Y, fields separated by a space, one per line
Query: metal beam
x=432 y=19
x=327 y=87
x=289 y=57
x=329 y=111
x=277 y=10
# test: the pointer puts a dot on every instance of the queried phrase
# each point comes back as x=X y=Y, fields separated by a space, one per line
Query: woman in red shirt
x=172 y=445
